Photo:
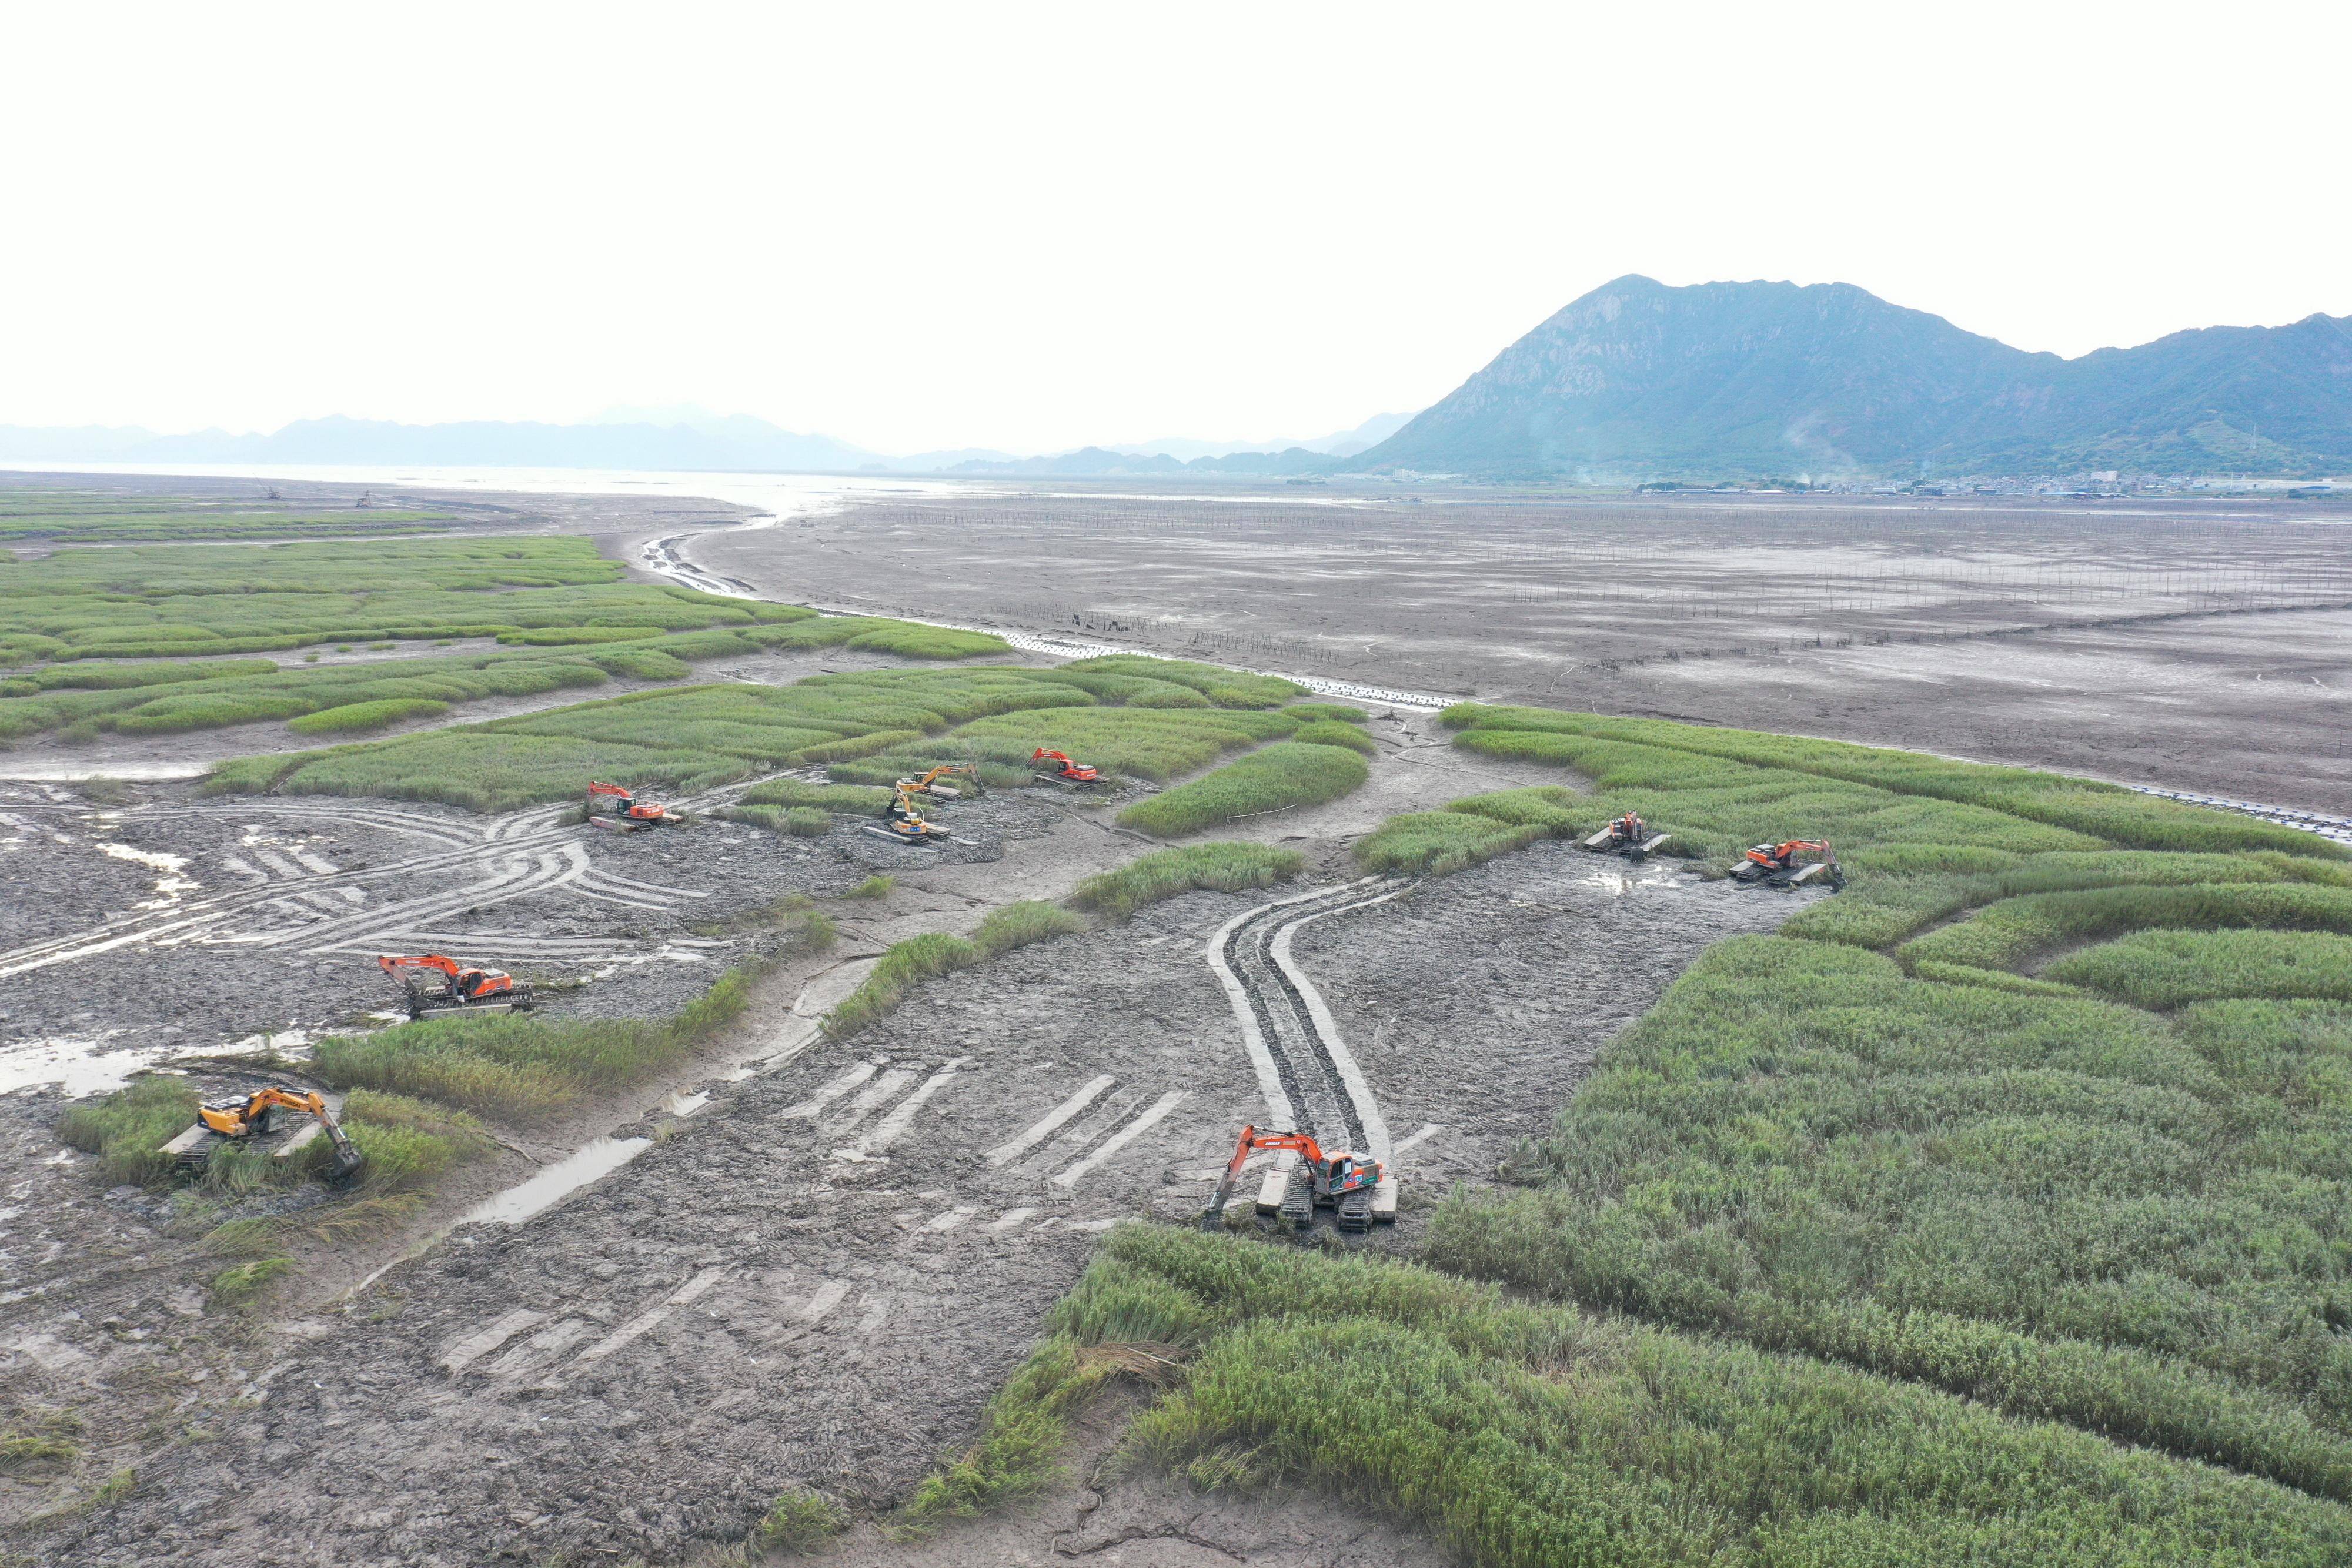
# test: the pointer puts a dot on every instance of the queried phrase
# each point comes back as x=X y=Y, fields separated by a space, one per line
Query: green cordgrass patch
x=800 y=1523
x=1799 y=1134
x=1157 y=744
x=1539 y=1436
x=2170 y=968
x=1334 y=732
x=518 y=1066
x=239 y=1284
x=1018 y=924
x=1438 y=842
x=1472 y=830
x=22 y=1452
x=2105 y=812
x=1169 y=873
x=678 y=741
x=128 y=1129
x=202 y=600
x=1221 y=686
x=861 y=724
x=357 y=717
x=1273 y=778
x=862 y=800
x=88 y=517
x=2013 y=932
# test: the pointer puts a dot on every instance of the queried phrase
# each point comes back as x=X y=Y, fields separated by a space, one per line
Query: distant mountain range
x=1640 y=380
x=674 y=439
x=1636 y=381
x=718 y=442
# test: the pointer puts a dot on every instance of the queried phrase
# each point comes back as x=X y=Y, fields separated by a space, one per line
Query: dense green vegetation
x=570 y=621
x=2038 y=1136
x=1539 y=1436
x=81 y=517
x=353 y=718
x=1275 y=778
x=1167 y=873
x=1940 y=1159
x=128 y=1129
x=870 y=727
x=177 y=600
x=516 y=1066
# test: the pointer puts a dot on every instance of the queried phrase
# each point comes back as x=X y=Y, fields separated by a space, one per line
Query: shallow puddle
x=558 y=1181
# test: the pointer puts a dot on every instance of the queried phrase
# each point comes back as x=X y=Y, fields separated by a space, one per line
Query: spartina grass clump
x=1276 y=777
x=1169 y=873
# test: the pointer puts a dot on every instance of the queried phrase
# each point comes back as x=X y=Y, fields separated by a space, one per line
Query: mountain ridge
x=1641 y=379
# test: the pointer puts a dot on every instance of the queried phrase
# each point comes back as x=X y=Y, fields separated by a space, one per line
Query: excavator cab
x=239 y=1119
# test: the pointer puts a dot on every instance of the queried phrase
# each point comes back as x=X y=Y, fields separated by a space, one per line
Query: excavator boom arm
x=392 y=965
x=1252 y=1142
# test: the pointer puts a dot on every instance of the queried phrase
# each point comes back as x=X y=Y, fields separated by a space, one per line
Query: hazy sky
x=1030 y=226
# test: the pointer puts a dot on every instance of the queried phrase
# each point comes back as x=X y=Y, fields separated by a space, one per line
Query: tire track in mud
x=1304 y=1069
x=513 y=857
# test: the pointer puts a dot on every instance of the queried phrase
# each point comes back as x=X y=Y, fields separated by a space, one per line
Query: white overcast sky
x=1030 y=226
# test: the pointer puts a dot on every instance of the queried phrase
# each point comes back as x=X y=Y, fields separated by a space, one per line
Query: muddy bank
x=824 y=1274
x=2144 y=643
x=184 y=923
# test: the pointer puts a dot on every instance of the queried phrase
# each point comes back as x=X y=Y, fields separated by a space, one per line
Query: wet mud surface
x=2153 y=642
x=823 y=1274
x=181 y=922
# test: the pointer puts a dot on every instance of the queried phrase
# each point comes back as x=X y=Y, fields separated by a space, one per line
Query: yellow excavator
x=903 y=821
x=928 y=782
x=240 y=1117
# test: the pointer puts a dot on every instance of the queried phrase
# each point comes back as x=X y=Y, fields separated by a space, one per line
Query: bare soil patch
x=2137 y=640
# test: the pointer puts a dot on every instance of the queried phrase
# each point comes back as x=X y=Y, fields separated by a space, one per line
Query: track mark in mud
x=1046 y=1126
x=299 y=900
x=462 y=1353
x=1151 y=1118
x=1309 y=1076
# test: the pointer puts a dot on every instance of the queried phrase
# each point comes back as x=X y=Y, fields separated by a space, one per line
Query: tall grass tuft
x=1275 y=778
x=1168 y=874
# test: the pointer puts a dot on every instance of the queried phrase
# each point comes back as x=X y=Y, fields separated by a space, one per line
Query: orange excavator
x=1629 y=836
x=238 y=1117
x=1335 y=1179
x=629 y=814
x=1055 y=768
x=458 y=989
x=1779 y=865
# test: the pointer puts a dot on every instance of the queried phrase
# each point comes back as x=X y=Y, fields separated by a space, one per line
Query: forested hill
x=1638 y=380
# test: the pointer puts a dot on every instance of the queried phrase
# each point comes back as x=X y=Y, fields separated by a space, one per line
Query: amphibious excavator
x=239 y=1118
x=1055 y=768
x=928 y=782
x=1629 y=836
x=903 y=821
x=629 y=814
x=432 y=985
x=1779 y=865
x=1335 y=1179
